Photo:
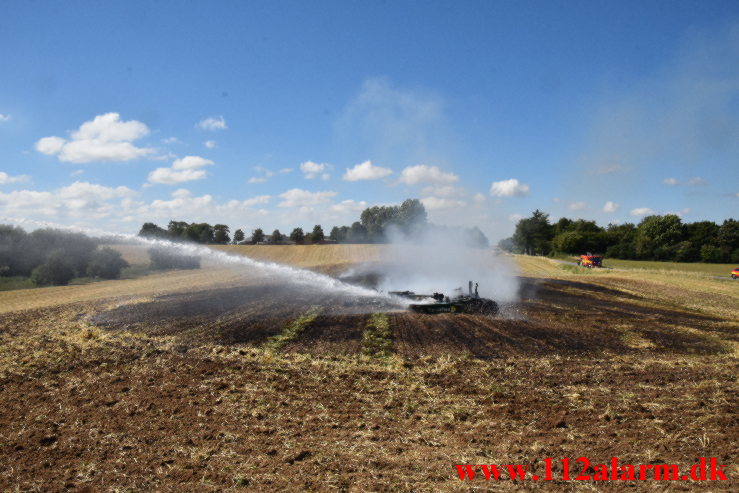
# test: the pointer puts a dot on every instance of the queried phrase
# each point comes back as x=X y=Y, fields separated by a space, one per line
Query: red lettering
x=464 y=471
x=517 y=471
x=601 y=472
x=627 y=473
x=585 y=466
x=717 y=472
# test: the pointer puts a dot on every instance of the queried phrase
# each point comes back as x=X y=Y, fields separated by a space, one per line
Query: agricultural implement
x=460 y=303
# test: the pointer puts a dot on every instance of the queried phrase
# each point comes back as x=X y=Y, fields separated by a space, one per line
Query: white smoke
x=436 y=261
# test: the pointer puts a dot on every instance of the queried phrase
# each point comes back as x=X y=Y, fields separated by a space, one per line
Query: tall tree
x=151 y=230
x=533 y=234
x=257 y=236
x=317 y=235
x=220 y=234
x=238 y=236
x=276 y=237
x=297 y=235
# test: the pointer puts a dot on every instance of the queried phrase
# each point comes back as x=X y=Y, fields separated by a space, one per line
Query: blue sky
x=265 y=114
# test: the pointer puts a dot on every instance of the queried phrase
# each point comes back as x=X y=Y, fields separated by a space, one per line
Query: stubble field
x=224 y=379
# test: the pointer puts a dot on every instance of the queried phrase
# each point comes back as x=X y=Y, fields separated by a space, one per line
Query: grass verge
x=377 y=338
x=293 y=330
x=16 y=282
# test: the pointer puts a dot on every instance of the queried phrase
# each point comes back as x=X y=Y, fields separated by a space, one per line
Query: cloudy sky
x=291 y=113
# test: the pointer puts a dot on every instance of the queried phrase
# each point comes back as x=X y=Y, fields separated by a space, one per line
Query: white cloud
x=256 y=179
x=577 y=206
x=479 y=198
x=182 y=200
x=670 y=181
x=213 y=123
x=325 y=176
x=169 y=176
x=421 y=173
x=610 y=206
x=697 y=181
x=191 y=162
x=80 y=199
x=366 y=171
x=182 y=170
x=311 y=170
x=259 y=199
x=642 y=211
x=50 y=145
x=300 y=198
x=76 y=172
x=349 y=206
x=509 y=188
x=436 y=203
x=515 y=217
x=284 y=171
x=210 y=144
x=4 y=118
x=6 y=179
x=171 y=140
x=105 y=138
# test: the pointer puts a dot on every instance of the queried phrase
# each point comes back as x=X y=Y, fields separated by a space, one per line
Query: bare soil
x=176 y=391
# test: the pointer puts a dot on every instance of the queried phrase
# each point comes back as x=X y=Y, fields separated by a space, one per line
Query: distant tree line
x=383 y=224
x=54 y=257
x=379 y=224
x=654 y=238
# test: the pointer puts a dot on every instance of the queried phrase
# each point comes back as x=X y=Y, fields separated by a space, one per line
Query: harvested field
x=224 y=379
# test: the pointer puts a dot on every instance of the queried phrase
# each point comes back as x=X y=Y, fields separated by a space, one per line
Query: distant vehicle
x=460 y=303
x=735 y=273
x=589 y=260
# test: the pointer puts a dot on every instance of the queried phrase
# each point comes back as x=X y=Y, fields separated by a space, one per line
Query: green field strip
x=377 y=338
x=292 y=330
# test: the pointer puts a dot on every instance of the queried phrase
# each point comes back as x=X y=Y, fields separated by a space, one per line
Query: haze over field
x=288 y=114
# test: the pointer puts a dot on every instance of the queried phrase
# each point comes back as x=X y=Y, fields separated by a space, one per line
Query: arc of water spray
x=292 y=274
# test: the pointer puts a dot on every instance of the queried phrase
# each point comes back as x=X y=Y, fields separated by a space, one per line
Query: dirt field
x=221 y=379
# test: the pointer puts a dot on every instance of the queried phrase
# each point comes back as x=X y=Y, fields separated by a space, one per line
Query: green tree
x=199 y=233
x=297 y=235
x=656 y=236
x=533 y=235
x=412 y=216
x=335 y=234
x=220 y=234
x=713 y=254
x=317 y=235
x=569 y=242
x=177 y=229
x=728 y=235
x=257 y=236
x=106 y=263
x=357 y=233
x=276 y=237
x=238 y=236
x=56 y=271
x=151 y=230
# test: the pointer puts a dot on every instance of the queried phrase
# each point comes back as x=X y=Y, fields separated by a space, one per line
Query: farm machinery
x=459 y=303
